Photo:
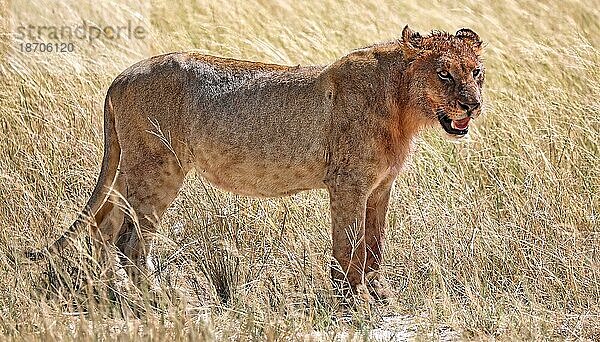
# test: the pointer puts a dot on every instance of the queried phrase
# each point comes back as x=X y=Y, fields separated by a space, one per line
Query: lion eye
x=476 y=72
x=445 y=75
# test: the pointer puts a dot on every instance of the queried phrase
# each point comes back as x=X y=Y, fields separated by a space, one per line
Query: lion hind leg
x=150 y=191
x=110 y=217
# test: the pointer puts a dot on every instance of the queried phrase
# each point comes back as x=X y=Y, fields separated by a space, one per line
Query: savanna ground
x=497 y=237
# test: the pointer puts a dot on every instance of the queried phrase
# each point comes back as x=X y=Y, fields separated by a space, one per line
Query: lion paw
x=378 y=287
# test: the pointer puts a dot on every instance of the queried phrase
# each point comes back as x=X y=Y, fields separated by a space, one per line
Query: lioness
x=269 y=130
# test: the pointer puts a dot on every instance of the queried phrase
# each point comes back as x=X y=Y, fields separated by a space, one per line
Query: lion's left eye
x=476 y=72
x=445 y=75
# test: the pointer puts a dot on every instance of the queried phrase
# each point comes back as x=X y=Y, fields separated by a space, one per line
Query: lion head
x=449 y=71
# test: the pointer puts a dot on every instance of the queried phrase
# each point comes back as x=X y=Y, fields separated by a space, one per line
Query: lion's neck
x=406 y=121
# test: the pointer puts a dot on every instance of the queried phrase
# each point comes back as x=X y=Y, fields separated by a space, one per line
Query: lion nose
x=468 y=106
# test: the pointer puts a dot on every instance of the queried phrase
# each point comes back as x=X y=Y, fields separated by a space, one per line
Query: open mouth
x=454 y=127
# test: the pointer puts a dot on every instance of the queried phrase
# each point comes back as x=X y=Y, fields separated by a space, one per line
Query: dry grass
x=498 y=237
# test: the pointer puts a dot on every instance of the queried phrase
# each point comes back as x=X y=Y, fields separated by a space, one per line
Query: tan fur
x=268 y=130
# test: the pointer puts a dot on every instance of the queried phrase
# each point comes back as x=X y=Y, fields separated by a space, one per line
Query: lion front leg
x=375 y=226
x=348 y=211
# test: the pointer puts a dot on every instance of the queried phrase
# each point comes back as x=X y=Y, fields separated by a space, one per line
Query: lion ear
x=470 y=36
x=411 y=41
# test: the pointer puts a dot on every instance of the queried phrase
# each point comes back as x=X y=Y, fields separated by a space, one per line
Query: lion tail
x=110 y=162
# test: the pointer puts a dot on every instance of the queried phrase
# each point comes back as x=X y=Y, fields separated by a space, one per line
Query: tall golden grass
x=498 y=237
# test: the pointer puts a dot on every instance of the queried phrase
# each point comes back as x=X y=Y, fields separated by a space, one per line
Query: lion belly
x=261 y=178
x=261 y=164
